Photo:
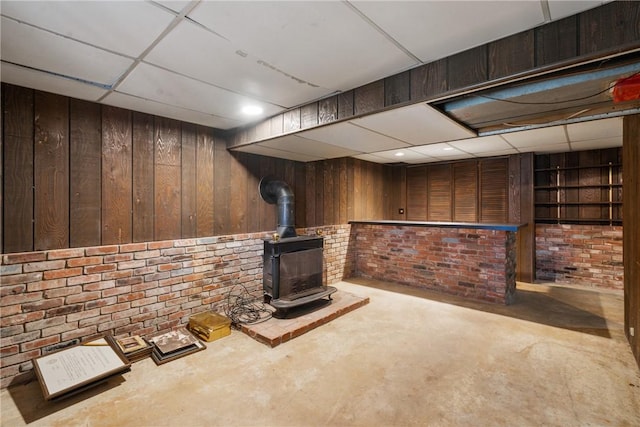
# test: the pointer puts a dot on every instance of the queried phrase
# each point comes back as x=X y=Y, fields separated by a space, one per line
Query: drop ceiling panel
x=49 y=83
x=483 y=144
x=314 y=148
x=593 y=144
x=562 y=8
x=417 y=124
x=28 y=46
x=130 y=102
x=435 y=29
x=193 y=51
x=272 y=152
x=353 y=137
x=597 y=129
x=440 y=151
x=323 y=43
x=408 y=156
x=126 y=27
x=548 y=148
x=173 y=89
x=537 y=137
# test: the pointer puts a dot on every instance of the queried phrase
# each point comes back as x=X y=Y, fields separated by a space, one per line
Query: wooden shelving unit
x=587 y=193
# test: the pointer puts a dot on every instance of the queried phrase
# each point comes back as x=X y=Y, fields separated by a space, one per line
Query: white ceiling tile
x=176 y=6
x=50 y=83
x=434 y=29
x=407 y=156
x=182 y=51
x=534 y=137
x=593 y=144
x=549 y=148
x=262 y=150
x=125 y=27
x=371 y=158
x=417 y=124
x=440 y=151
x=173 y=89
x=323 y=43
x=25 y=45
x=164 y=110
x=353 y=137
x=562 y=8
x=482 y=144
x=597 y=129
x=314 y=148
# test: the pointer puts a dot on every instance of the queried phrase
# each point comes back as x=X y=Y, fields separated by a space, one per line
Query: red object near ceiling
x=627 y=89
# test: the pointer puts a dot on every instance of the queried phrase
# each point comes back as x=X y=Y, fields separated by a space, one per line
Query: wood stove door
x=300 y=273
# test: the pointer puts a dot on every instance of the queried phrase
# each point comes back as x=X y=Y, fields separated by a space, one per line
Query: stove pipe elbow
x=274 y=191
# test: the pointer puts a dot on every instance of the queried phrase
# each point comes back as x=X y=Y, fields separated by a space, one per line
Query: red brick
x=118 y=258
x=21 y=278
x=133 y=247
x=84 y=333
x=81 y=280
x=160 y=245
x=58 y=329
x=143 y=301
x=12 y=290
x=65 y=253
x=102 y=250
x=23 y=257
x=19 y=358
x=97 y=286
x=83 y=297
x=100 y=303
x=116 y=291
x=43 y=265
x=102 y=268
x=115 y=307
x=86 y=314
x=42 y=305
x=43 y=342
x=131 y=296
x=81 y=262
x=65 y=272
x=88 y=321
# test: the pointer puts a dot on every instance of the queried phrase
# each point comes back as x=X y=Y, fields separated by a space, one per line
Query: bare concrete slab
x=557 y=357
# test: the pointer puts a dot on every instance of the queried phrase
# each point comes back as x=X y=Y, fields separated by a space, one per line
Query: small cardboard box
x=210 y=326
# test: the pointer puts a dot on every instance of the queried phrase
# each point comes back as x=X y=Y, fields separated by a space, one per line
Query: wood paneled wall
x=465 y=191
x=493 y=190
x=631 y=224
x=80 y=174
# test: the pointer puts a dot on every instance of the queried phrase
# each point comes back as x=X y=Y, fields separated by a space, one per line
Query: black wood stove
x=293 y=265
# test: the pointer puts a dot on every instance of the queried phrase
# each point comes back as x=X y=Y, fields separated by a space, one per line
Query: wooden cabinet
x=579 y=187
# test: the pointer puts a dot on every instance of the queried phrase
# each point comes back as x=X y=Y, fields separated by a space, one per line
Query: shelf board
x=577 y=220
x=562 y=187
x=565 y=168
x=577 y=203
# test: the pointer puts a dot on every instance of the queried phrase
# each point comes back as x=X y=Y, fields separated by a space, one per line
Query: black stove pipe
x=274 y=191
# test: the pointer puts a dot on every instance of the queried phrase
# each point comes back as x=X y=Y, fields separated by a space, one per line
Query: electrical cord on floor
x=244 y=308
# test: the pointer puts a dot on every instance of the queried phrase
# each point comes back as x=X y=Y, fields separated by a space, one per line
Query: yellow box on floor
x=210 y=326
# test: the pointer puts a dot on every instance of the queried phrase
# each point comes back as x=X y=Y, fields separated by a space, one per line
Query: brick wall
x=586 y=255
x=473 y=263
x=52 y=299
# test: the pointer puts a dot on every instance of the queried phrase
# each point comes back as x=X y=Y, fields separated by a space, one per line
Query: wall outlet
x=632 y=332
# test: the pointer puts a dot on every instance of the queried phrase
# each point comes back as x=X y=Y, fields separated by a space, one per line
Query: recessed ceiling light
x=252 y=110
x=448 y=148
x=399 y=154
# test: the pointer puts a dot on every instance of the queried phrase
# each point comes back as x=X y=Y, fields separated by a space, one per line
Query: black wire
x=244 y=308
x=554 y=102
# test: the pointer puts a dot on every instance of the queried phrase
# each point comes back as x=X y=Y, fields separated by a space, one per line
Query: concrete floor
x=557 y=357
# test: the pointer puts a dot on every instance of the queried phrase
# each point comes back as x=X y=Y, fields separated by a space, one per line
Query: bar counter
x=472 y=260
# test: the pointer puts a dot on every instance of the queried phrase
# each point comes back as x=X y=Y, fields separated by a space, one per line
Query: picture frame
x=68 y=371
